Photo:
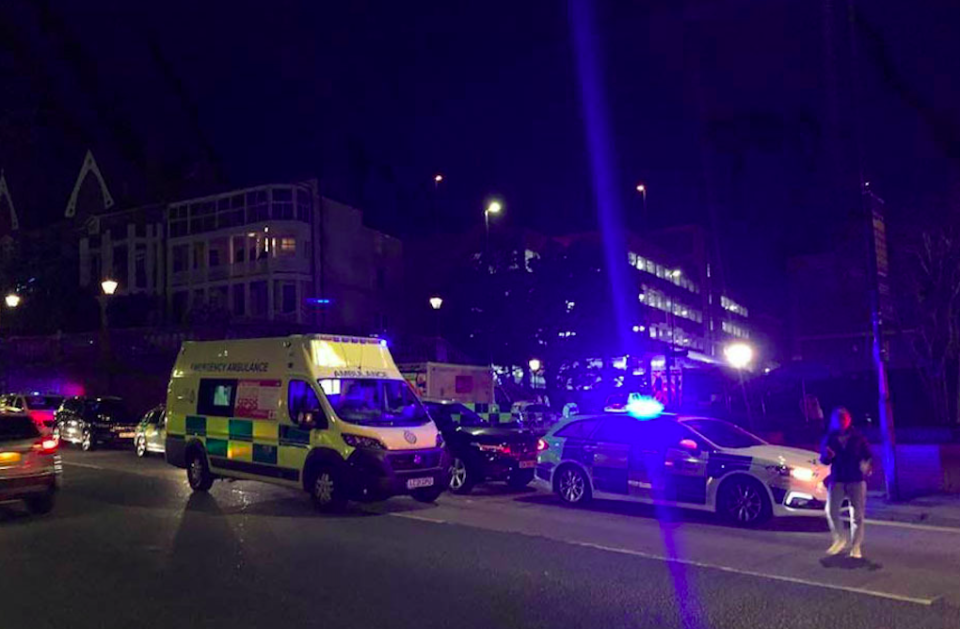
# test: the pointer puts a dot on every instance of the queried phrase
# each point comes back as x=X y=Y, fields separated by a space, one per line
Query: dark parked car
x=481 y=451
x=91 y=422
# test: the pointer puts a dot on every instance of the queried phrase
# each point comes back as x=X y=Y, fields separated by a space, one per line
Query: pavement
x=128 y=545
x=940 y=510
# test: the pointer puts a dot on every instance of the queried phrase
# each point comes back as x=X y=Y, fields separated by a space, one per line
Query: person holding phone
x=847 y=453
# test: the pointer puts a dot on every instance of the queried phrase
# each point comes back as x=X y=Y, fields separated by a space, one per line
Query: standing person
x=848 y=454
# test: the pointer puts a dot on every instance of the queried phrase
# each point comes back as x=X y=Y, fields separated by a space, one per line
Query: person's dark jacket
x=845 y=460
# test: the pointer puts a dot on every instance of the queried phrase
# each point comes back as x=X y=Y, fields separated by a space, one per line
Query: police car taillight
x=542 y=445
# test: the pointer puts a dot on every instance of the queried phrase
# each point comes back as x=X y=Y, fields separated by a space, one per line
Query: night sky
x=711 y=104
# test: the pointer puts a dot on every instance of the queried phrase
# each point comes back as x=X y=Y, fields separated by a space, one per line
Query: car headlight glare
x=804 y=474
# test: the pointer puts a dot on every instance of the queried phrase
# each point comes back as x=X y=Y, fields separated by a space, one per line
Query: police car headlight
x=360 y=441
x=803 y=474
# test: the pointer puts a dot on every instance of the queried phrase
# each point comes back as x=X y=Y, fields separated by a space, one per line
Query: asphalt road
x=128 y=545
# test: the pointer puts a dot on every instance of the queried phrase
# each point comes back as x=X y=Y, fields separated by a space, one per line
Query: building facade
x=277 y=253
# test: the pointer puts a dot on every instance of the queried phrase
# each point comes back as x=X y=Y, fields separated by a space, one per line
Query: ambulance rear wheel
x=198 y=472
x=328 y=489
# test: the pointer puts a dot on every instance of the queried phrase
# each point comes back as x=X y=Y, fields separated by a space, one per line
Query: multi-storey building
x=274 y=253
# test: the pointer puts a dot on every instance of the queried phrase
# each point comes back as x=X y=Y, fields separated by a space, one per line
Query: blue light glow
x=319 y=301
x=643 y=407
x=383 y=342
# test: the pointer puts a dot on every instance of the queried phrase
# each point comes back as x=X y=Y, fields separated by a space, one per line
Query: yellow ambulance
x=328 y=414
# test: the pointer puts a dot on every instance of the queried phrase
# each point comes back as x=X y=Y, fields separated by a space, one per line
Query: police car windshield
x=722 y=434
x=374 y=402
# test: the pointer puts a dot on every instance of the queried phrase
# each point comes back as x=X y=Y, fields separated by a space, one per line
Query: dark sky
x=725 y=104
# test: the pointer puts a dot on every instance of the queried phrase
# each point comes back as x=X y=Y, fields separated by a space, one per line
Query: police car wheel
x=327 y=490
x=198 y=473
x=573 y=486
x=141 y=447
x=743 y=501
x=461 y=477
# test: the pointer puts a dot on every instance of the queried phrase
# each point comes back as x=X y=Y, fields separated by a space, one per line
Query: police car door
x=684 y=474
x=615 y=454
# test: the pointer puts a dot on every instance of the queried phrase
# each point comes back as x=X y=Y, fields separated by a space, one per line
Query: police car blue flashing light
x=643 y=407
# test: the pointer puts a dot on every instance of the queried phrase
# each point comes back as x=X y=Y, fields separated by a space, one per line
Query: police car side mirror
x=689 y=445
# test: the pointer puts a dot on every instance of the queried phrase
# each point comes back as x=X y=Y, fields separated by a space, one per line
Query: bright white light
x=643 y=407
x=534 y=364
x=641 y=188
x=676 y=273
x=804 y=474
x=494 y=207
x=109 y=286
x=438 y=178
x=739 y=355
x=436 y=302
x=636 y=328
x=13 y=300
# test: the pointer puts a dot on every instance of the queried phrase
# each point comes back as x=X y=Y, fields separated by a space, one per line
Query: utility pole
x=879 y=306
x=872 y=210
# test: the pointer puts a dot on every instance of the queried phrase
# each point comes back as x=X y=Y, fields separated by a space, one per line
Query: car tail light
x=505 y=448
x=47 y=445
x=541 y=445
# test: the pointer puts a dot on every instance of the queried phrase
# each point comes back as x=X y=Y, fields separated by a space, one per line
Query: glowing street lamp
x=739 y=355
x=437 y=178
x=109 y=286
x=642 y=189
x=12 y=300
x=534 y=365
x=436 y=302
x=494 y=207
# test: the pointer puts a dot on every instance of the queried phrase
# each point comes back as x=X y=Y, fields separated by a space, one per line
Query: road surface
x=128 y=545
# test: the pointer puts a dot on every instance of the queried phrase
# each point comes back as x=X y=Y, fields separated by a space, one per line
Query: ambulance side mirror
x=309 y=420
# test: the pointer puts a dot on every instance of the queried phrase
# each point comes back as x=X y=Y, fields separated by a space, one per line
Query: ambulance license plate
x=527 y=464
x=417 y=483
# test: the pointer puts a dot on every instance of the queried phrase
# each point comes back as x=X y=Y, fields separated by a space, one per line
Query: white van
x=328 y=414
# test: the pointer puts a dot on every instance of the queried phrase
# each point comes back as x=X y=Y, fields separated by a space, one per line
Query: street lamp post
x=739 y=355
x=493 y=207
x=436 y=302
x=108 y=287
x=12 y=300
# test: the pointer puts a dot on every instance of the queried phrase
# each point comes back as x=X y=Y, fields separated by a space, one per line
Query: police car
x=691 y=462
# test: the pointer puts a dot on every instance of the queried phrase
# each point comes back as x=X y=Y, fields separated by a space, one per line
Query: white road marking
x=86 y=465
x=916 y=600
x=915 y=527
x=410 y=516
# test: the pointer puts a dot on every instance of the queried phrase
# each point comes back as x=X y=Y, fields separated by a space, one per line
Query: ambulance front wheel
x=328 y=488
x=198 y=472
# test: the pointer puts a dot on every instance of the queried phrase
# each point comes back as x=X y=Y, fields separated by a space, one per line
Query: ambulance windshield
x=374 y=402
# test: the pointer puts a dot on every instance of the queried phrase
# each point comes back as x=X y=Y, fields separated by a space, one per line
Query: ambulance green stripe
x=196 y=425
x=241 y=429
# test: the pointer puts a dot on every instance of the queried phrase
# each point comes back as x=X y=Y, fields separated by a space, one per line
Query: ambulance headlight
x=360 y=441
